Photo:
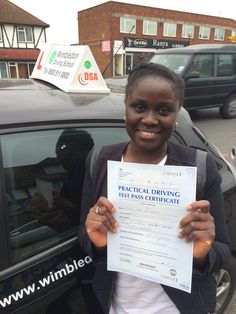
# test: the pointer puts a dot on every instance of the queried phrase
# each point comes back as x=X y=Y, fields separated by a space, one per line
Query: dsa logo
x=86 y=77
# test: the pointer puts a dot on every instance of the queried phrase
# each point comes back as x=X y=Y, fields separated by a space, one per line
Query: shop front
x=131 y=52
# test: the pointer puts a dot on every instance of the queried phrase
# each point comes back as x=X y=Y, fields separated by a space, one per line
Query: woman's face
x=151 y=111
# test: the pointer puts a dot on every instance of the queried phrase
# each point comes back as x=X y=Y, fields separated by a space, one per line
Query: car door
x=42 y=268
x=225 y=80
x=199 y=78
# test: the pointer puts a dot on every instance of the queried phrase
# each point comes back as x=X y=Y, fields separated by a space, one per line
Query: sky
x=61 y=15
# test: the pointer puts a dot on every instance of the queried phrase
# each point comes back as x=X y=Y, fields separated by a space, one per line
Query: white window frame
x=167 y=29
x=0 y=34
x=125 y=26
x=149 y=27
x=14 y=66
x=233 y=33
x=219 y=33
x=188 y=31
x=23 y=31
x=202 y=30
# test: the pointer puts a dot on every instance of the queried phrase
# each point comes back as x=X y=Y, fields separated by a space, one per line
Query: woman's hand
x=99 y=221
x=198 y=226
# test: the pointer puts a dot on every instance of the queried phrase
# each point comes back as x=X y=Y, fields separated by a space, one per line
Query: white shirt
x=133 y=295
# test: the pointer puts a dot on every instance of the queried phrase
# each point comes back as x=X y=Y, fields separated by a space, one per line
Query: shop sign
x=106 y=45
x=140 y=43
x=154 y=43
x=118 y=47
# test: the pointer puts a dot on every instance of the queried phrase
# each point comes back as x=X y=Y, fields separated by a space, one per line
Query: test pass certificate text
x=150 y=201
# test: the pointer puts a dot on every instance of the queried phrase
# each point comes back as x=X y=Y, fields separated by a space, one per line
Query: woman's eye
x=139 y=108
x=164 y=111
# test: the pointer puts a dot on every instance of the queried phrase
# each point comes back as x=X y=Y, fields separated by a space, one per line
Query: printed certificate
x=150 y=200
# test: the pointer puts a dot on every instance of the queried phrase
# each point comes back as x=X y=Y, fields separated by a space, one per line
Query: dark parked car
x=209 y=72
x=45 y=135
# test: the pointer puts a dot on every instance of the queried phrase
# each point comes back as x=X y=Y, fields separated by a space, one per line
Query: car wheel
x=228 y=110
x=225 y=280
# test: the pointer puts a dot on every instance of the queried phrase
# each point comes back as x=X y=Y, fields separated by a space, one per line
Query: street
x=223 y=134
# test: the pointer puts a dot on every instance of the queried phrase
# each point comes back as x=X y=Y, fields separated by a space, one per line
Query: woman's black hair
x=156 y=70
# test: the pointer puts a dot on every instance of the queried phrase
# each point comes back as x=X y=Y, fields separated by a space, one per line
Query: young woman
x=154 y=96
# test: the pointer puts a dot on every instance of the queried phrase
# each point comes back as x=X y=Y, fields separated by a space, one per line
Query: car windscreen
x=175 y=62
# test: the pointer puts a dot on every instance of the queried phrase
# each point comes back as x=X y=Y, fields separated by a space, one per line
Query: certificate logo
x=173 y=272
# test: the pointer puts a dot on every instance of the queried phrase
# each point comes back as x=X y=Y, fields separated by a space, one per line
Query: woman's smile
x=148 y=134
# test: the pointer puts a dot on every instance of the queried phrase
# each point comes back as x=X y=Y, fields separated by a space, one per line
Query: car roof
x=203 y=48
x=30 y=101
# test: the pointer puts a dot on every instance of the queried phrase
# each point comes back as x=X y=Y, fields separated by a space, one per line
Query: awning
x=19 y=54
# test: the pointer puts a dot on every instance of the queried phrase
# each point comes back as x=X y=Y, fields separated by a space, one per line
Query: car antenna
x=117 y=51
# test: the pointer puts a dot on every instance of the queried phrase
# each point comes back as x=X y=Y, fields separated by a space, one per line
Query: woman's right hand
x=99 y=221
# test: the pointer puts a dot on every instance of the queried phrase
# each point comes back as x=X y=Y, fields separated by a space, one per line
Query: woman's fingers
x=105 y=203
x=198 y=226
x=199 y=206
x=101 y=217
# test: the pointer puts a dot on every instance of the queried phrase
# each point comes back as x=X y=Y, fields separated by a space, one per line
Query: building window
x=169 y=29
x=187 y=31
x=3 y=70
x=0 y=34
x=204 y=32
x=149 y=27
x=24 y=34
x=127 y=25
x=20 y=70
x=233 y=33
x=219 y=34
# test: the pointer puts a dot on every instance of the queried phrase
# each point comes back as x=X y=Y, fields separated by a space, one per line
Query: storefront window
x=141 y=57
x=3 y=70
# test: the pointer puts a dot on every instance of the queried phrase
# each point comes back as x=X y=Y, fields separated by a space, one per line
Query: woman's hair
x=155 y=70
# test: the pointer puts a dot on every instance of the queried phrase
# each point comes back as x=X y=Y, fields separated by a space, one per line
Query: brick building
x=122 y=35
x=20 y=37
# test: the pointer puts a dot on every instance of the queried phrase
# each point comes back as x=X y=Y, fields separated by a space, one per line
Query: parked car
x=42 y=267
x=233 y=156
x=209 y=72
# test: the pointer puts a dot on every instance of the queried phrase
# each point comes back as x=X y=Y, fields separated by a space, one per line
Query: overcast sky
x=61 y=15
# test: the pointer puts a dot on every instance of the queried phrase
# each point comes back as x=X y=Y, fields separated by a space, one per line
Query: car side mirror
x=193 y=74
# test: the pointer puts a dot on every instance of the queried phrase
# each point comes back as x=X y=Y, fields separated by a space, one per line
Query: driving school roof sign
x=70 y=68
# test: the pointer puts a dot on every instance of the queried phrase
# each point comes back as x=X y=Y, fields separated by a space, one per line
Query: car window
x=225 y=66
x=175 y=62
x=44 y=173
x=202 y=63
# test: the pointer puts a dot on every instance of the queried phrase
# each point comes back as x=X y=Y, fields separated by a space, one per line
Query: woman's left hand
x=198 y=226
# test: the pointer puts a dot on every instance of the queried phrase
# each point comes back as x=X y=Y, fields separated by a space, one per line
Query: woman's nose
x=150 y=118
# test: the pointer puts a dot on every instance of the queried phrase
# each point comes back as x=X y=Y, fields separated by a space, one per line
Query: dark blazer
x=202 y=298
